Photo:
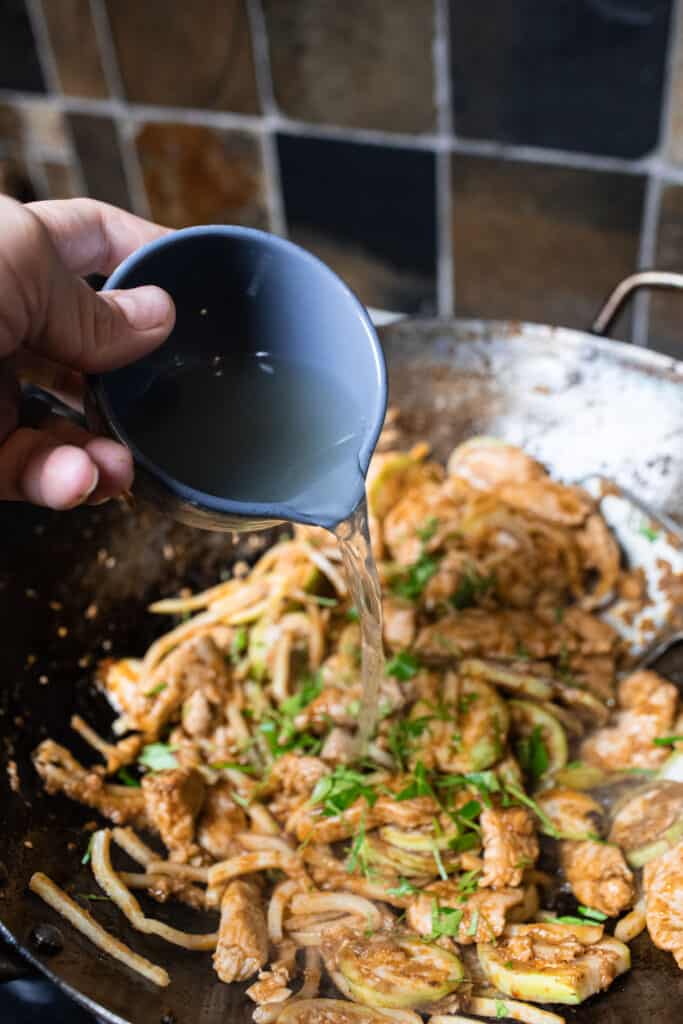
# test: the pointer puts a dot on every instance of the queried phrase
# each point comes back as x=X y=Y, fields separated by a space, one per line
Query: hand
x=54 y=327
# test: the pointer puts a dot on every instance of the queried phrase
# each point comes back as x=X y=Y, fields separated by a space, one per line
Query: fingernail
x=144 y=307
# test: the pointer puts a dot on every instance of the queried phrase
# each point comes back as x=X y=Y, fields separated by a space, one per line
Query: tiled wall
x=502 y=158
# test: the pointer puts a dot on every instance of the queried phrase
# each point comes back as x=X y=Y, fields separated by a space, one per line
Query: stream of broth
x=353 y=536
x=289 y=433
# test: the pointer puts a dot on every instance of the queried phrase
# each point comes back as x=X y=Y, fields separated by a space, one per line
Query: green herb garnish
x=428 y=529
x=411 y=583
x=532 y=755
x=239 y=643
x=88 y=851
x=158 y=757
x=403 y=735
x=402 y=666
x=159 y=688
x=357 y=854
x=471 y=587
x=124 y=776
x=352 y=614
x=667 y=741
x=404 y=888
x=647 y=531
x=219 y=766
x=474 y=924
x=594 y=915
x=445 y=920
x=340 y=789
x=501 y=1009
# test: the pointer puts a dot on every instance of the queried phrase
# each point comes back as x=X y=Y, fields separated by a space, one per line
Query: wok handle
x=643 y=279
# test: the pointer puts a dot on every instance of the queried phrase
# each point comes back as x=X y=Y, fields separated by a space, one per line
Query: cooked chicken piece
x=647 y=815
x=334 y=706
x=648 y=705
x=483 y=912
x=399 y=623
x=339 y=747
x=296 y=775
x=600 y=551
x=663 y=882
x=196 y=716
x=307 y=822
x=173 y=799
x=62 y=773
x=220 y=821
x=510 y=845
x=592 y=635
x=485 y=463
x=415 y=510
x=597 y=672
x=572 y=812
x=547 y=499
x=598 y=875
x=242 y=948
x=271 y=986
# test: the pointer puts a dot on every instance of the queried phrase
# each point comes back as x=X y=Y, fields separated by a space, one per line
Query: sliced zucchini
x=648 y=823
x=519 y=681
x=411 y=863
x=332 y=1011
x=388 y=479
x=526 y=716
x=548 y=979
x=416 y=841
x=579 y=775
x=469 y=732
x=398 y=971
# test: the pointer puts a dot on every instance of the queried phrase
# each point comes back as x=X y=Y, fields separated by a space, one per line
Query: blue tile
x=582 y=75
x=367 y=210
x=19 y=65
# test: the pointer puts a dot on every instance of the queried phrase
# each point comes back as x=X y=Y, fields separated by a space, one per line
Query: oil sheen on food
x=288 y=434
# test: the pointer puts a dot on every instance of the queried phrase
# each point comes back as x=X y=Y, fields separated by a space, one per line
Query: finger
x=55 y=314
x=93 y=237
x=35 y=468
x=114 y=461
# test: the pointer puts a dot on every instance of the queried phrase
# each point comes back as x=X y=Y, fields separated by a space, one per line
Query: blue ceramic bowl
x=272 y=295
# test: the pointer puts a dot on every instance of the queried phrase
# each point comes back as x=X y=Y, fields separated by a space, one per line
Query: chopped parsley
x=667 y=741
x=428 y=529
x=310 y=688
x=352 y=614
x=358 y=853
x=559 y=615
x=501 y=1009
x=156 y=690
x=445 y=920
x=340 y=789
x=472 y=809
x=158 y=757
x=324 y=602
x=594 y=915
x=403 y=666
x=404 y=888
x=124 y=776
x=402 y=738
x=471 y=586
x=467 y=841
x=570 y=919
x=520 y=796
x=219 y=766
x=239 y=643
x=647 y=531
x=419 y=784
x=411 y=583
x=532 y=755
x=88 y=851
x=278 y=727
x=443 y=874
x=474 y=924
x=522 y=652
x=468 y=883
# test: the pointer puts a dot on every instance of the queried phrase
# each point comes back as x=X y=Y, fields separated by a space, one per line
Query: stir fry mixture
x=466 y=865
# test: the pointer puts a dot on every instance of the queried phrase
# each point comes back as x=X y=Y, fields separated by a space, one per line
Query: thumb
x=56 y=314
x=98 y=331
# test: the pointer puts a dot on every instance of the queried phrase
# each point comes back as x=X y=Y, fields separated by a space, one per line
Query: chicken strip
x=598 y=875
x=663 y=882
x=220 y=820
x=483 y=912
x=648 y=709
x=242 y=948
x=173 y=800
x=510 y=845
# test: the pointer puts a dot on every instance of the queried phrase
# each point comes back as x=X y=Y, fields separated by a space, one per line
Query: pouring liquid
x=287 y=433
x=353 y=536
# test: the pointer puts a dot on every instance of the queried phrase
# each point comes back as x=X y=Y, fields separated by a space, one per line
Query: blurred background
x=510 y=158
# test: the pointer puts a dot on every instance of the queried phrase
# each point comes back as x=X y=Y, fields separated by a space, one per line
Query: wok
x=75 y=587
